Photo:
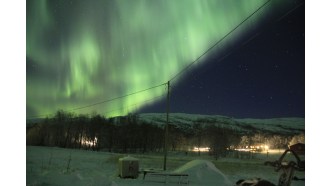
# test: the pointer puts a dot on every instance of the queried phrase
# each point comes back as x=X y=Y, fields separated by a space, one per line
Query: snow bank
x=203 y=172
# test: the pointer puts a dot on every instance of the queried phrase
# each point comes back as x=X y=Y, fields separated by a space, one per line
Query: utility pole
x=166 y=125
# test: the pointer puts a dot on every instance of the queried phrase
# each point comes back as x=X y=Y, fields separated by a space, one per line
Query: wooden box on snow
x=128 y=167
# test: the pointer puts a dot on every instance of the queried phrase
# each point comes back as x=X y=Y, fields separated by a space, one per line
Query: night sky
x=263 y=75
x=80 y=53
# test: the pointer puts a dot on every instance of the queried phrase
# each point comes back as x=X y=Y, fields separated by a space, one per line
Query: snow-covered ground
x=58 y=166
x=186 y=121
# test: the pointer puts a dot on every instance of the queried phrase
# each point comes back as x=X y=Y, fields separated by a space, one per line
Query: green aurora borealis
x=82 y=52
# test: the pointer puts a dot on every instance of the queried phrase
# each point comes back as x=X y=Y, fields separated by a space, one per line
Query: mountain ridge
x=184 y=121
x=285 y=125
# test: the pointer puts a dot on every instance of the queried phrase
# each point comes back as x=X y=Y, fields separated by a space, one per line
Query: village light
x=245 y=150
x=201 y=149
x=89 y=142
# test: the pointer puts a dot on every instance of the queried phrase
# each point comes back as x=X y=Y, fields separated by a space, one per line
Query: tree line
x=96 y=132
x=129 y=134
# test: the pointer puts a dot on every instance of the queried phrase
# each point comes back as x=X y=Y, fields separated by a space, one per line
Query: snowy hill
x=186 y=122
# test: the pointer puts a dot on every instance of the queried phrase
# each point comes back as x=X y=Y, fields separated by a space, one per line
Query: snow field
x=58 y=166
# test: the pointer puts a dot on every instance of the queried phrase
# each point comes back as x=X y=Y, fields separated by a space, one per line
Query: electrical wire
x=220 y=40
x=178 y=74
x=101 y=102
x=139 y=103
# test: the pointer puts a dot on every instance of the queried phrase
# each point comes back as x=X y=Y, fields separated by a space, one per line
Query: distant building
x=299 y=148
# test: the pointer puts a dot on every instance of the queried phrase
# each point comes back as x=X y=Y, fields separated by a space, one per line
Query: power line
x=234 y=49
x=139 y=103
x=188 y=66
x=290 y=11
x=120 y=97
x=105 y=101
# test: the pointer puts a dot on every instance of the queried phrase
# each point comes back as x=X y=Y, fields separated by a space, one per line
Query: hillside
x=186 y=121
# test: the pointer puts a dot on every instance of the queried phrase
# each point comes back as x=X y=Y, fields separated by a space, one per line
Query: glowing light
x=245 y=150
x=84 y=52
x=87 y=142
x=201 y=149
x=258 y=148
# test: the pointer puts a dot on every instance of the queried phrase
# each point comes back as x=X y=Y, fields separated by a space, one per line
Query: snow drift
x=203 y=172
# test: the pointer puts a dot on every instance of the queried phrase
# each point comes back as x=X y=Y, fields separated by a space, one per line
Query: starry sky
x=262 y=76
x=87 y=56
